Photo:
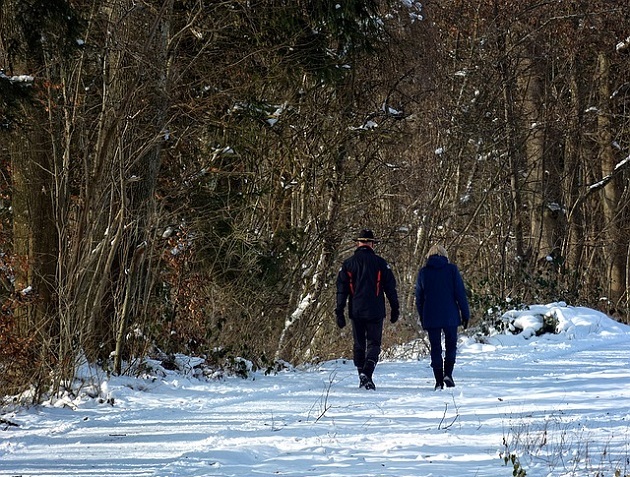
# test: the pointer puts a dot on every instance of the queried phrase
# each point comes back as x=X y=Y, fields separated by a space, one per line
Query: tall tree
x=33 y=37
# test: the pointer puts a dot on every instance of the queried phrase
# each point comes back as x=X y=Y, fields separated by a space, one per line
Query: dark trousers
x=450 y=345
x=367 y=344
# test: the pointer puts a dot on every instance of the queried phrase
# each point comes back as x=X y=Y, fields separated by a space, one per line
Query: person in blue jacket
x=442 y=306
x=363 y=281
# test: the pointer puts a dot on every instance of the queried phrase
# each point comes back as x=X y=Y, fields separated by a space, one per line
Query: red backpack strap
x=350 y=282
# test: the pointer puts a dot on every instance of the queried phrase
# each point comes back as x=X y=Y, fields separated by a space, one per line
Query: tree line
x=187 y=175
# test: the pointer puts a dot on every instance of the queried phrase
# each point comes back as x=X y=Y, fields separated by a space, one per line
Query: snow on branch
x=23 y=80
x=623 y=46
x=415 y=9
x=605 y=180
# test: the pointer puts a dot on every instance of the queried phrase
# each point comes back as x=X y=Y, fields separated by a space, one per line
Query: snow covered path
x=558 y=407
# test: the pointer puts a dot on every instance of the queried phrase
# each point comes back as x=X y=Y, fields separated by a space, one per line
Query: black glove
x=465 y=324
x=395 y=316
x=341 y=320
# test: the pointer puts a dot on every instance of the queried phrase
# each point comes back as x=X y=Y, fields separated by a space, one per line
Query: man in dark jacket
x=442 y=306
x=364 y=280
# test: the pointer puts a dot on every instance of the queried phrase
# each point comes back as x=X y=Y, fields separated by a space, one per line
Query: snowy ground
x=555 y=405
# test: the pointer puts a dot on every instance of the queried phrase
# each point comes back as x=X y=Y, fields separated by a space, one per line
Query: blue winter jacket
x=440 y=294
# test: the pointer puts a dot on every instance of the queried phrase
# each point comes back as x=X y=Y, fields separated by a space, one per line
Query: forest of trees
x=186 y=176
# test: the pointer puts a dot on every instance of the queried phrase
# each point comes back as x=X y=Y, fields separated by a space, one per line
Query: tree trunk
x=34 y=228
x=32 y=153
x=573 y=248
x=531 y=86
x=616 y=251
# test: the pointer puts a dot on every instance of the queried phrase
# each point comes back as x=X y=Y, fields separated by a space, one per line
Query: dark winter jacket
x=440 y=294
x=364 y=280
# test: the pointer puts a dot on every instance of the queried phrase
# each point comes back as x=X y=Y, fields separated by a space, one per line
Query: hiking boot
x=448 y=374
x=366 y=382
x=438 y=373
x=369 y=367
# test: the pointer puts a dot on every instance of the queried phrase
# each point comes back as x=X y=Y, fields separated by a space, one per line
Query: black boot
x=369 y=367
x=448 y=374
x=365 y=380
x=439 y=377
x=368 y=370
